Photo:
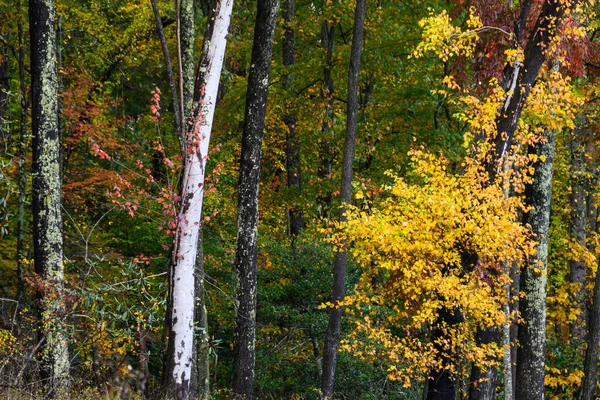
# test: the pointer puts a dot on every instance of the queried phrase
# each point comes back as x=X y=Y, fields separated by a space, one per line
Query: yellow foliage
x=443 y=242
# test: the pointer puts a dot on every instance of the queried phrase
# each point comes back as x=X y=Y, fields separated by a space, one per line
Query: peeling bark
x=47 y=194
x=532 y=332
x=180 y=313
x=247 y=225
x=332 y=339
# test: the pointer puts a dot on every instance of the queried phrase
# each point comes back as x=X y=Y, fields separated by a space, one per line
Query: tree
x=181 y=280
x=247 y=223
x=47 y=194
x=292 y=147
x=332 y=339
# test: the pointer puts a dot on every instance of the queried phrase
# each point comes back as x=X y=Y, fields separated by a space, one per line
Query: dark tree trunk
x=292 y=147
x=332 y=339
x=247 y=225
x=590 y=376
x=532 y=332
x=47 y=193
x=519 y=78
x=483 y=382
x=577 y=226
x=168 y=64
x=22 y=163
x=440 y=385
x=4 y=89
x=325 y=152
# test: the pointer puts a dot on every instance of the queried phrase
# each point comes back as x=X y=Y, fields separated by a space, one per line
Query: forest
x=299 y=199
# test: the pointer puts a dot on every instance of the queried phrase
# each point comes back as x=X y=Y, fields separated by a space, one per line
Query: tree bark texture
x=292 y=146
x=181 y=278
x=577 y=227
x=532 y=332
x=520 y=78
x=47 y=194
x=483 y=381
x=201 y=381
x=325 y=152
x=187 y=35
x=247 y=224
x=332 y=339
x=4 y=89
x=22 y=163
x=590 y=377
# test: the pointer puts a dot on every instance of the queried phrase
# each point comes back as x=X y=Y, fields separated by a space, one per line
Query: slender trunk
x=515 y=287
x=180 y=313
x=22 y=163
x=202 y=360
x=187 y=29
x=179 y=126
x=326 y=162
x=4 y=89
x=590 y=374
x=292 y=147
x=332 y=339
x=47 y=193
x=577 y=227
x=142 y=384
x=247 y=225
x=532 y=332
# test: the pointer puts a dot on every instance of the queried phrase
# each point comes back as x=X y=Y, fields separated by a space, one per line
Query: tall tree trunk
x=202 y=361
x=292 y=147
x=247 y=224
x=332 y=339
x=180 y=313
x=590 y=374
x=176 y=103
x=47 y=194
x=325 y=152
x=577 y=227
x=22 y=162
x=4 y=89
x=532 y=332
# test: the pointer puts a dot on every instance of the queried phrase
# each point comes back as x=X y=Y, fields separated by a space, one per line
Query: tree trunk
x=22 y=163
x=332 y=339
x=4 y=89
x=47 y=194
x=179 y=126
x=590 y=376
x=187 y=35
x=484 y=381
x=577 y=227
x=292 y=147
x=180 y=313
x=520 y=78
x=247 y=224
x=532 y=332
x=201 y=375
x=326 y=161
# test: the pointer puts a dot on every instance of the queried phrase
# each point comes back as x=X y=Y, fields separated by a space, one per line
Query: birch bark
x=182 y=280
